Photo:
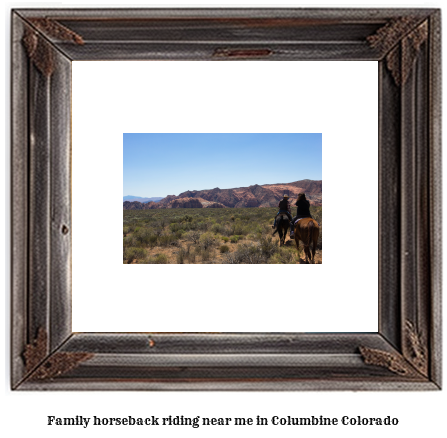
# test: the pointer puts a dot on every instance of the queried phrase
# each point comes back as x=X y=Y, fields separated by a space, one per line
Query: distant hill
x=267 y=195
x=137 y=198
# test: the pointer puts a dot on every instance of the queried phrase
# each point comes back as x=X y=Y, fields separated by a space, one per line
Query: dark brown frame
x=405 y=354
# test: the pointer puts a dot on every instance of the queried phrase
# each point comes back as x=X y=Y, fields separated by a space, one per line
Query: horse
x=282 y=227
x=307 y=230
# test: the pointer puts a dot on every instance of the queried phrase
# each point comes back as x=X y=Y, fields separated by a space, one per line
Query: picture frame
x=405 y=353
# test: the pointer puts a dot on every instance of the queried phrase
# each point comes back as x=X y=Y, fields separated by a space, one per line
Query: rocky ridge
x=267 y=195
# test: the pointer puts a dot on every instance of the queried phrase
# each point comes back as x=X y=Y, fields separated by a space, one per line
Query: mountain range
x=139 y=199
x=267 y=195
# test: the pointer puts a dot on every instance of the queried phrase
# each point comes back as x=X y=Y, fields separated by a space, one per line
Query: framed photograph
x=77 y=322
x=222 y=226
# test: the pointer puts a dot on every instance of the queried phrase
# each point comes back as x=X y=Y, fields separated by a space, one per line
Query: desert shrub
x=234 y=239
x=246 y=229
x=238 y=229
x=247 y=253
x=166 y=240
x=174 y=227
x=143 y=237
x=158 y=230
x=203 y=226
x=130 y=254
x=267 y=228
x=193 y=236
x=216 y=228
x=251 y=253
x=258 y=231
x=224 y=248
x=206 y=240
x=160 y=259
x=232 y=258
x=317 y=214
x=205 y=254
x=227 y=230
x=180 y=256
x=174 y=219
x=225 y=239
x=268 y=246
x=175 y=243
x=127 y=242
x=152 y=240
x=284 y=256
x=178 y=234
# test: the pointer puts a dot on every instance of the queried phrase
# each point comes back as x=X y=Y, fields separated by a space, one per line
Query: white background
x=420 y=414
x=182 y=97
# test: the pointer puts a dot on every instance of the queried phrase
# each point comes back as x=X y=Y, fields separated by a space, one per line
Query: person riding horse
x=284 y=207
x=302 y=210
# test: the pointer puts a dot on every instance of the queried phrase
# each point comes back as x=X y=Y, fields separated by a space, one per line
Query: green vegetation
x=130 y=254
x=224 y=248
x=158 y=259
x=206 y=240
x=285 y=256
x=196 y=236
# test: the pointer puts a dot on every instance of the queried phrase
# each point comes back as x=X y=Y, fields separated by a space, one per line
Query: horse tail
x=310 y=232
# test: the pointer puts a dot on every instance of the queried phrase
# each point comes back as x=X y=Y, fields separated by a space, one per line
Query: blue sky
x=168 y=164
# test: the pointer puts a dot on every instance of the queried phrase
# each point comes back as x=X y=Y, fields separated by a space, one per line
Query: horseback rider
x=302 y=210
x=284 y=207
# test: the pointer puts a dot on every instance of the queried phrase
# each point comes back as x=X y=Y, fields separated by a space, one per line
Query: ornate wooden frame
x=405 y=354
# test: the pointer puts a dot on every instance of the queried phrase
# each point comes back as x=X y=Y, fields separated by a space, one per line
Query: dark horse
x=307 y=230
x=282 y=227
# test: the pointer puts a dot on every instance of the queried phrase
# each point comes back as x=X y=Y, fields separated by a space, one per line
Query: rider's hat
x=286 y=195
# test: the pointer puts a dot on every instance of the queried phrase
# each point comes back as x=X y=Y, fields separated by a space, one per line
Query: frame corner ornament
x=400 y=39
x=394 y=362
x=59 y=364
x=39 y=49
x=41 y=366
x=416 y=348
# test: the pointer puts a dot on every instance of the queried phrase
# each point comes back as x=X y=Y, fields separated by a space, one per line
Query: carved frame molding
x=406 y=352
